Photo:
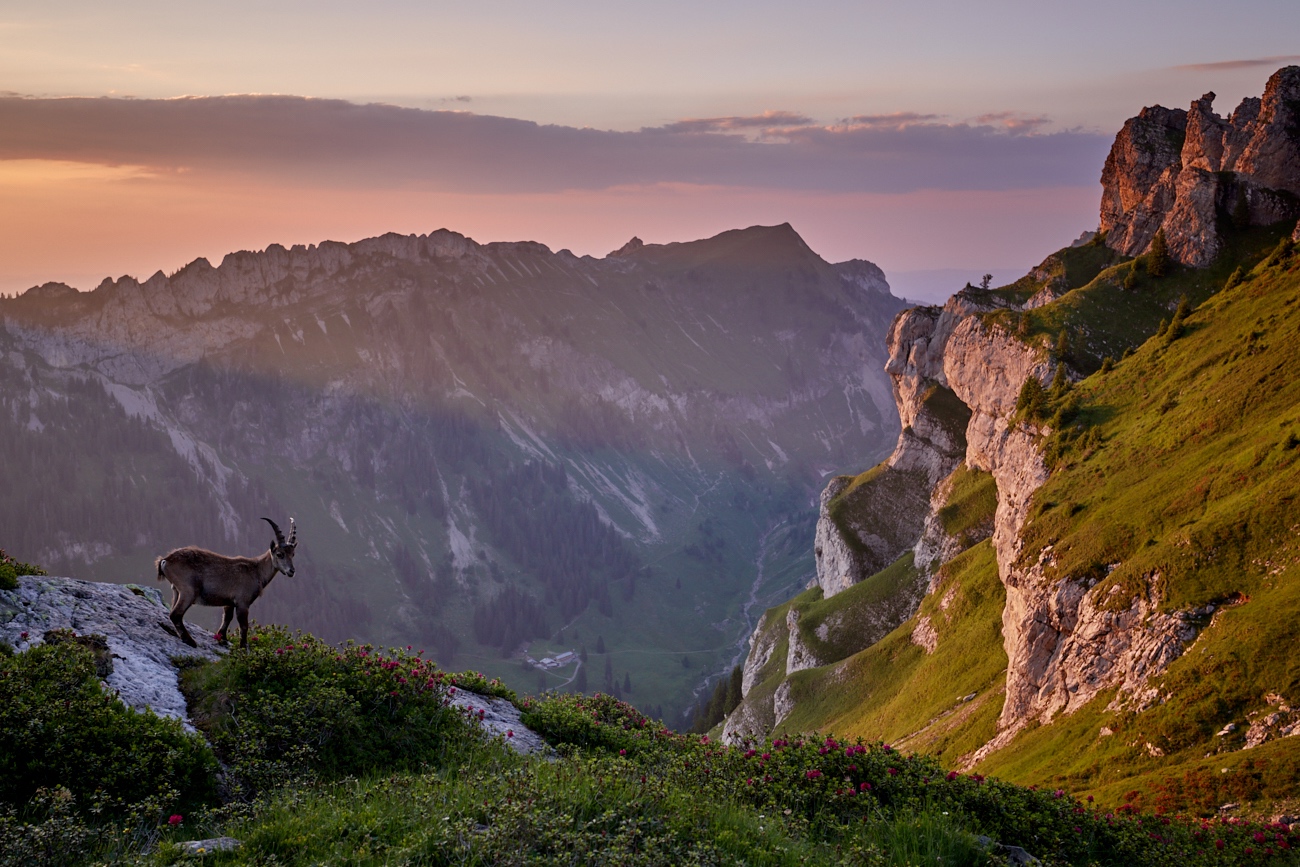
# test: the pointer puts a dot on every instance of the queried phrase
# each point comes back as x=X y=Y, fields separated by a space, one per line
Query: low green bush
x=10 y=569
x=293 y=707
x=59 y=727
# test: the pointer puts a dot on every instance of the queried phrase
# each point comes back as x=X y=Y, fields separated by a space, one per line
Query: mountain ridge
x=657 y=388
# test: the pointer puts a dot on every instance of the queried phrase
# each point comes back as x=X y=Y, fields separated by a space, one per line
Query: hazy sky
x=923 y=136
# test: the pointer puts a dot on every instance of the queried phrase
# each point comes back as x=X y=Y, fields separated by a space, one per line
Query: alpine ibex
x=199 y=576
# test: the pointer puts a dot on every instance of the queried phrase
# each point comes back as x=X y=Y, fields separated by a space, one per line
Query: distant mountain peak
x=630 y=247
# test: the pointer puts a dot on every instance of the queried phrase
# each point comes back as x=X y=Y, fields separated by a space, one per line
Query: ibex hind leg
x=228 y=616
x=179 y=606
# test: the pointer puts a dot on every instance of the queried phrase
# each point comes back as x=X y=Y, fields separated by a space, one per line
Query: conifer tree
x=1062 y=346
x=1060 y=382
x=1158 y=255
x=734 y=684
x=1032 y=400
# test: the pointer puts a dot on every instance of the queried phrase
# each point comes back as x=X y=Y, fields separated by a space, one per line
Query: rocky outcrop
x=1191 y=172
x=132 y=620
x=798 y=655
x=1063 y=645
x=869 y=521
x=761 y=645
x=143 y=651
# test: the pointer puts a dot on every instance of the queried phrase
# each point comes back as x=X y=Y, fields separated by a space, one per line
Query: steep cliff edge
x=1190 y=172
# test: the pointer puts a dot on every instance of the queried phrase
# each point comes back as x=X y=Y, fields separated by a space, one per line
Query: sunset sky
x=938 y=139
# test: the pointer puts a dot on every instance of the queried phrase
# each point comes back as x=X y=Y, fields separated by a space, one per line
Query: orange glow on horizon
x=77 y=222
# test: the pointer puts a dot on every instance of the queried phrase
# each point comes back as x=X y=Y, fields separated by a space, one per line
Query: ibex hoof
x=168 y=627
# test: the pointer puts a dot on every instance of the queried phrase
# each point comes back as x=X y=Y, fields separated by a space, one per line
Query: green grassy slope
x=945 y=703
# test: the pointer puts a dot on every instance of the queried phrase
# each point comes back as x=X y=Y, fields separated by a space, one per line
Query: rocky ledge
x=142 y=652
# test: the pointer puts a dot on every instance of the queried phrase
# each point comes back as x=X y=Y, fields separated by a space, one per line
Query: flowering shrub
x=292 y=707
x=826 y=784
x=599 y=721
x=10 y=569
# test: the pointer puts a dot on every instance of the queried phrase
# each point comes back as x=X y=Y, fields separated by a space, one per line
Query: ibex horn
x=279 y=537
x=293 y=533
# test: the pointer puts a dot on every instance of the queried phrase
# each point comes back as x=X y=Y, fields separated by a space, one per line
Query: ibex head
x=282 y=549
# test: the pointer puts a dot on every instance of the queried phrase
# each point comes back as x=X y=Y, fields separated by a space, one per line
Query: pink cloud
x=1249 y=63
x=316 y=142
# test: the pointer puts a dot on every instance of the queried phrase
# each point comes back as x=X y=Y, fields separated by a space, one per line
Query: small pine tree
x=600 y=644
x=609 y=675
x=580 y=682
x=1235 y=278
x=1032 y=400
x=1131 y=279
x=582 y=653
x=1176 y=327
x=1164 y=327
x=1107 y=364
x=1060 y=382
x=1158 y=255
x=734 y=685
x=686 y=661
x=627 y=683
x=1062 y=346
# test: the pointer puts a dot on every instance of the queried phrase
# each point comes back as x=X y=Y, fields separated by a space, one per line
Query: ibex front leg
x=242 y=611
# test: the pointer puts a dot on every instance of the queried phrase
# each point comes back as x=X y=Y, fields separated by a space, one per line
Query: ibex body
x=201 y=577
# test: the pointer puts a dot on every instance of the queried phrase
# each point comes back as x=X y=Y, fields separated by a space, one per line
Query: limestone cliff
x=1063 y=644
x=1189 y=172
x=867 y=522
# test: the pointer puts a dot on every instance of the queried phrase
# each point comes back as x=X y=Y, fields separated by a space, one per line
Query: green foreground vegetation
x=346 y=755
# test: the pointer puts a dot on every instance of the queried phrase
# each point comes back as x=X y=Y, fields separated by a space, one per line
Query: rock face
x=868 y=522
x=1189 y=172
